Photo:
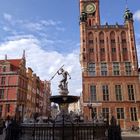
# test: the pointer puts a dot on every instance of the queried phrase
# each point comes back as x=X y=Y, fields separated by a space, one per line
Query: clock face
x=90 y=8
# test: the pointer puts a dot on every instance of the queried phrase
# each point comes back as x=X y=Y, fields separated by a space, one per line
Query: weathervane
x=126 y=4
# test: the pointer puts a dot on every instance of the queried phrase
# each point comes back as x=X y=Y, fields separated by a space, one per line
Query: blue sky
x=49 y=32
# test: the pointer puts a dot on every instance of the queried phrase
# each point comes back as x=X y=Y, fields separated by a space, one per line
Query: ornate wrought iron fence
x=78 y=131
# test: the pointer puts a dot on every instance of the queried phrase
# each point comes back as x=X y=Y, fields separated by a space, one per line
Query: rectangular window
x=103 y=69
x=123 y=41
x=112 y=41
x=90 y=42
x=113 y=50
x=133 y=112
x=131 y=92
x=128 y=68
x=91 y=50
x=91 y=69
x=93 y=93
x=116 y=68
x=124 y=50
x=120 y=113
x=3 y=81
x=1 y=93
x=101 y=41
x=105 y=93
x=105 y=113
x=1 y=111
x=102 y=50
x=118 y=92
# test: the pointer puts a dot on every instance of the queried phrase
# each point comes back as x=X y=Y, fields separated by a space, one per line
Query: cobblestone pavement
x=131 y=138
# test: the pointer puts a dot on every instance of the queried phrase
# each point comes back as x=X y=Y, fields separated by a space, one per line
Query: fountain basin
x=62 y=99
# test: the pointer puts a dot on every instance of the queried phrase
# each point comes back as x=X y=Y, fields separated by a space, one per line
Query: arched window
x=91 y=69
x=124 y=45
x=123 y=38
x=101 y=38
x=89 y=22
x=102 y=46
x=113 y=42
x=90 y=38
x=113 y=46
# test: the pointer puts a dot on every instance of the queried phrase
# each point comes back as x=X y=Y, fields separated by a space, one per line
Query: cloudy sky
x=49 y=32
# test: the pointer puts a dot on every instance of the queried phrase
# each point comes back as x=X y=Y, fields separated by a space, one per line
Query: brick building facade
x=22 y=93
x=108 y=58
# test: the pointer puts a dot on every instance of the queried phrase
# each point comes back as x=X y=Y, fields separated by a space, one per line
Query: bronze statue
x=63 y=82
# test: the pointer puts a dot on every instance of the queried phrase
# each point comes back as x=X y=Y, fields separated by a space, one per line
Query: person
x=2 y=126
x=12 y=131
x=63 y=82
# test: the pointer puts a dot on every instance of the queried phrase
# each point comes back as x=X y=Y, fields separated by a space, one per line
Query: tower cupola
x=128 y=15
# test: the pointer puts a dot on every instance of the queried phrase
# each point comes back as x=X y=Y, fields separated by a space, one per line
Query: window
x=90 y=42
x=2 y=80
x=4 y=69
x=101 y=41
x=124 y=50
x=105 y=93
x=131 y=92
x=7 y=107
x=91 y=69
x=1 y=93
x=113 y=50
x=124 y=41
x=103 y=69
x=133 y=112
x=118 y=92
x=128 y=68
x=91 y=50
x=120 y=113
x=102 y=50
x=0 y=111
x=116 y=68
x=105 y=112
x=93 y=93
x=112 y=41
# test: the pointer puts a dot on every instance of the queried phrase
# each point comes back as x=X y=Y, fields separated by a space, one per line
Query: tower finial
x=23 y=56
x=126 y=4
x=5 y=56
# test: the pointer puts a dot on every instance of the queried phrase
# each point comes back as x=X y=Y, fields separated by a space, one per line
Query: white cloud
x=137 y=15
x=7 y=17
x=29 y=25
x=43 y=63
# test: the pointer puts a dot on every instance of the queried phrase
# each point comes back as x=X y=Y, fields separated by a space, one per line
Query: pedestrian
x=12 y=131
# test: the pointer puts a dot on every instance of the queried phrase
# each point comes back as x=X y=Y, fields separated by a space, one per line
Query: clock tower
x=91 y=9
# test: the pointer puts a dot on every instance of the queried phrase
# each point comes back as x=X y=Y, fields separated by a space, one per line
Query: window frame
x=116 y=68
x=105 y=90
x=104 y=69
x=133 y=114
x=120 y=113
x=92 y=69
x=118 y=93
x=93 y=93
x=131 y=92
